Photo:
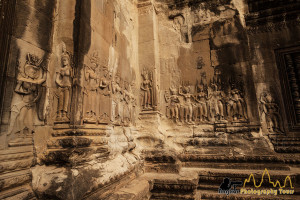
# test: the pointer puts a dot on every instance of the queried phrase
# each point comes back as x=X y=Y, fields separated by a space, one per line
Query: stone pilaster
x=149 y=47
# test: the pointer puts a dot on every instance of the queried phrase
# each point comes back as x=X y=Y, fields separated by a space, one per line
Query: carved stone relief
x=90 y=102
x=27 y=102
x=236 y=106
x=180 y=24
x=208 y=103
x=148 y=98
x=270 y=109
x=117 y=107
x=105 y=97
x=173 y=109
x=129 y=105
x=63 y=80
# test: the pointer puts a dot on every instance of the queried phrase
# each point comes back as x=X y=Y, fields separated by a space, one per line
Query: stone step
x=215 y=158
x=168 y=196
x=244 y=166
x=20 y=142
x=211 y=179
x=287 y=149
x=211 y=195
x=23 y=192
x=201 y=142
x=15 y=165
x=285 y=144
x=12 y=180
x=138 y=189
x=173 y=186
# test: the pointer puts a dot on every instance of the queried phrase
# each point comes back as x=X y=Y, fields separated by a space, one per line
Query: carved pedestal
x=15 y=174
x=75 y=146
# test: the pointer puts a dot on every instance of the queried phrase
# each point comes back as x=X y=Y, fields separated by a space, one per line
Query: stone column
x=63 y=49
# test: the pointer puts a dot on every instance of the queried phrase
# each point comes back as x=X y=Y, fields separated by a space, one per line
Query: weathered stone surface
x=147 y=99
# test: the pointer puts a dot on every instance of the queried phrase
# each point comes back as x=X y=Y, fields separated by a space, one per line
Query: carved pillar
x=76 y=134
x=62 y=67
x=148 y=56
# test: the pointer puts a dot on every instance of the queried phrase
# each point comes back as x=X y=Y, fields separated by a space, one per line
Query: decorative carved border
x=286 y=87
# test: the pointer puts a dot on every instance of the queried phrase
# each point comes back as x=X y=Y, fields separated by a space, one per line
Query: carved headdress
x=32 y=68
x=95 y=58
x=65 y=54
x=147 y=74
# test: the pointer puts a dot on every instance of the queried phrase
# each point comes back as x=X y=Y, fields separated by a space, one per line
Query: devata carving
x=147 y=90
x=28 y=95
x=117 y=110
x=129 y=105
x=91 y=90
x=208 y=103
x=187 y=107
x=271 y=110
x=174 y=101
x=105 y=97
x=64 y=83
x=236 y=106
x=201 y=111
x=216 y=98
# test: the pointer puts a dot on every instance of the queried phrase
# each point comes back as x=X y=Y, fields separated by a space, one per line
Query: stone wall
x=96 y=93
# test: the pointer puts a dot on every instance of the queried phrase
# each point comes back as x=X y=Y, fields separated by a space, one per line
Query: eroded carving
x=129 y=105
x=105 y=97
x=147 y=90
x=271 y=110
x=201 y=97
x=236 y=106
x=91 y=105
x=180 y=24
x=208 y=103
x=117 y=109
x=186 y=107
x=27 y=96
x=63 y=81
x=173 y=100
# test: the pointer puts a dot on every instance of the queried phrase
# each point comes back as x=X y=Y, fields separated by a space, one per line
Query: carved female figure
x=118 y=94
x=105 y=95
x=128 y=106
x=174 y=104
x=271 y=110
x=187 y=106
x=236 y=107
x=146 y=87
x=90 y=91
x=201 y=99
x=63 y=81
x=216 y=103
x=28 y=95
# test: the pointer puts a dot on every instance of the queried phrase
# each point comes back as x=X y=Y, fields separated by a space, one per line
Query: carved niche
x=28 y=102
x=288 y=63
x=64 y=81
x=180 y=24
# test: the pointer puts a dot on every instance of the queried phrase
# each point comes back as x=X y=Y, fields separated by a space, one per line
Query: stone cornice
x=179 y=4
x=265 y=16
